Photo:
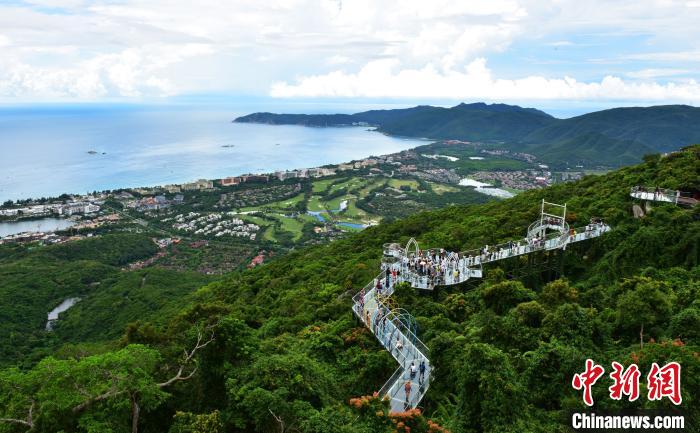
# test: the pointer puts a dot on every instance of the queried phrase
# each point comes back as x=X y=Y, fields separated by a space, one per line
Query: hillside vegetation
x=33 y=281
x=287 y=354
x=615 y=137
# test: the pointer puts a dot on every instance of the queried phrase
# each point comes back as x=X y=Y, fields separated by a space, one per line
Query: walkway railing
x=663 y=195
x=407 y=386
x=469 y=262
x=402 y=343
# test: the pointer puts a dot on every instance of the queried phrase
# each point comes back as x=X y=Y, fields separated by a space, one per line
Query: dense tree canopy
x=288 y=355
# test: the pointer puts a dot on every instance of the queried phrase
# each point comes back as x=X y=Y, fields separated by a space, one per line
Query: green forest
x=277 y=349
x=613 y=137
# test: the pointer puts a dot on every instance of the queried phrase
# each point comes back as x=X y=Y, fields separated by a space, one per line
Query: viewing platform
x=428 y=269
x=396 y=329
x=676 y=197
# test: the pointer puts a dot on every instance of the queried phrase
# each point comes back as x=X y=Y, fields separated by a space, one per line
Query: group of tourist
x=430 y=268
x=384 y=327
x=413 y=370
x=438 y=266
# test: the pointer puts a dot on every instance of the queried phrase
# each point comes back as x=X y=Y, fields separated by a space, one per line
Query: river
x=53 y=314
x=39 y=225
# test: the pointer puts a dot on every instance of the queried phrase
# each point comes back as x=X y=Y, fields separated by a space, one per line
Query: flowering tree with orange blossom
x=374 y=413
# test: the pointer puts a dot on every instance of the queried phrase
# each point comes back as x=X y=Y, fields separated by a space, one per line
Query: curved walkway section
x=410 y=381
x=396 y=331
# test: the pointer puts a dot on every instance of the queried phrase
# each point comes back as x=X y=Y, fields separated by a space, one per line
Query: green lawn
x=307 y=218
x=254 y=219
x=364 y=192
x=335 y=203
x=315 y=204
x=398 y=183
x=290 y=203
x=322 y=185
x=277 y=205
x=441 y=188
x=251 y=209
x=350 y=184
x=269 y=234
x=291 y=225
x=353 y=211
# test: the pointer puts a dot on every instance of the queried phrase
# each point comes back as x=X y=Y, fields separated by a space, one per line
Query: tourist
x=399 y=345
x=421 y=368
x=407 y=389
x=413 y=369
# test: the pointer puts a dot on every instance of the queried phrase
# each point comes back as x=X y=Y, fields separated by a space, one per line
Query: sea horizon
x=54 y=150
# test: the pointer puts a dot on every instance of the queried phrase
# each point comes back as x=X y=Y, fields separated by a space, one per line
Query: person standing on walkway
x=407 y=390
x=421 y=369
x=399 y=345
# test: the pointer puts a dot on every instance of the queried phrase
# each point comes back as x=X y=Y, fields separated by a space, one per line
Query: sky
x=590 y=53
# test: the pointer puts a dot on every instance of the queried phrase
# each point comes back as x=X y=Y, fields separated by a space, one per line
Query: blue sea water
x=44 y=150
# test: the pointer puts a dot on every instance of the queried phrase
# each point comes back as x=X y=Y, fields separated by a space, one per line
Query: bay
x=49 y=150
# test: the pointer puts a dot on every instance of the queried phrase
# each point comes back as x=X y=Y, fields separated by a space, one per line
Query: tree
x=570 y=322
x=556 y=293
x=491 y=395
x=186 y=422
x=503 y=296
x=645 y=302
x=58 y=394
x=530 y=313
x=686 y=325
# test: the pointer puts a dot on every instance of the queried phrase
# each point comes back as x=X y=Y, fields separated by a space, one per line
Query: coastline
x=172 y=157
x=134 y=186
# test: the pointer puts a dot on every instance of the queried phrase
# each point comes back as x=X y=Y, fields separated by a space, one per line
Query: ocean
x=53 y=149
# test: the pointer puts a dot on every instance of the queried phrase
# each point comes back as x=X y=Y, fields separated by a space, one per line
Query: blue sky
x=564 y=55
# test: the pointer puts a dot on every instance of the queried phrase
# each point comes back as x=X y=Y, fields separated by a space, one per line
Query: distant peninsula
x=614 y=137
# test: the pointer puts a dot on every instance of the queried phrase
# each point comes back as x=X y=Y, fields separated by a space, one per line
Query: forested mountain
x=614 y=137
x=662 y=128
x=287 y=354
x=476 y=121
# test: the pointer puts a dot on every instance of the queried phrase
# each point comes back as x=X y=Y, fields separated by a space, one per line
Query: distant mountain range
x=619 y=136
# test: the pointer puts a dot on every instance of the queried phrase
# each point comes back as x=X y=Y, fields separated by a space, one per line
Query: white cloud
x=385 y=78
x=338 y=60
x=669 y=56
x=135 y=48
x=646 y=74
x=560 y=44
x=62 y=4
x=132 y=72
